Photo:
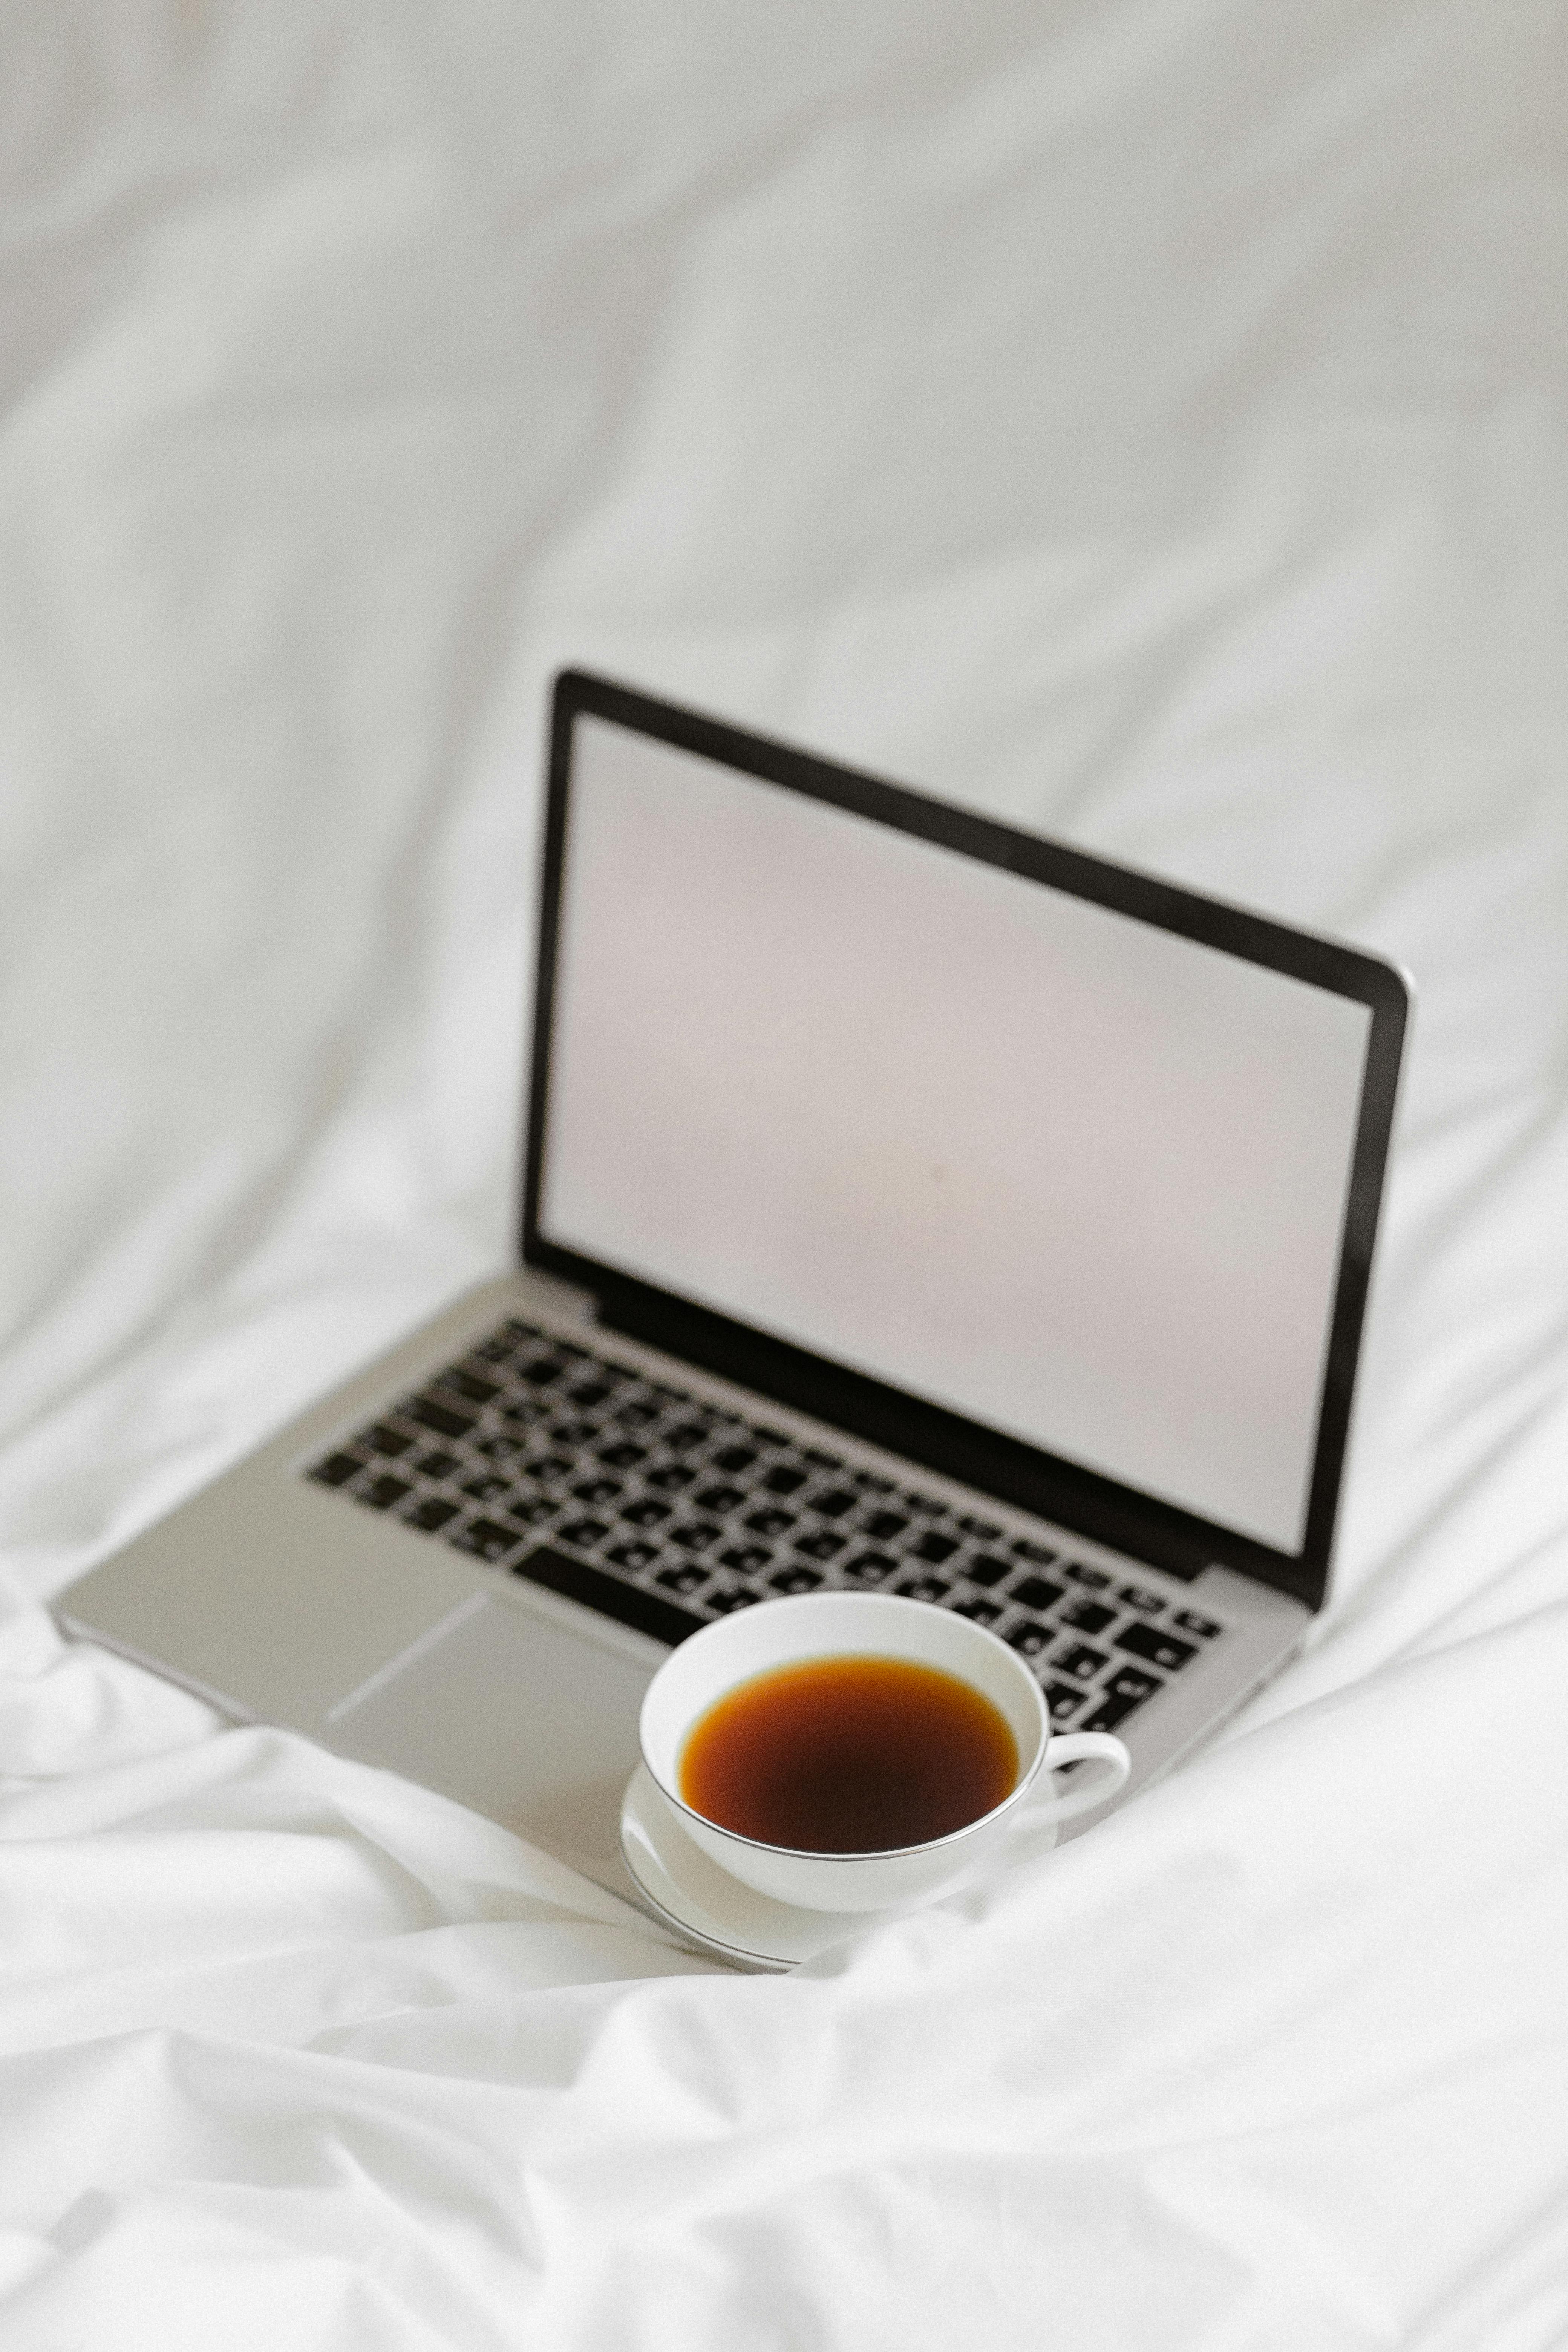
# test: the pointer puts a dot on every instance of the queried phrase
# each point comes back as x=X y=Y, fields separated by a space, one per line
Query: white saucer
x=708 y=1908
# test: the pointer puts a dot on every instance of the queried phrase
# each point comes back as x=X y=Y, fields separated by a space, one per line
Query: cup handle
x=1069 y=1747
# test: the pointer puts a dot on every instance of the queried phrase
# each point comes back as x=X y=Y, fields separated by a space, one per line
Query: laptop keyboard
x=595 y=1480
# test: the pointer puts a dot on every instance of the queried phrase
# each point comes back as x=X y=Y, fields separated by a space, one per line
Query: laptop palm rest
x=514 y=1716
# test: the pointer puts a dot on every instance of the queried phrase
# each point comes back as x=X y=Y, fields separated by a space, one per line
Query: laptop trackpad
x=515 y=1716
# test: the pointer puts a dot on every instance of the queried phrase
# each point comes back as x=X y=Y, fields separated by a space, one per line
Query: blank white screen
x=1061 y=1171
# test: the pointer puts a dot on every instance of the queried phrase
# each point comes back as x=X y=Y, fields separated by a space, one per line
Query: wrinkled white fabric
x=1144 y=421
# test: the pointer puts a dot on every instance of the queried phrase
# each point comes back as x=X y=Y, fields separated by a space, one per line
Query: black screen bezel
x=1016 y=1472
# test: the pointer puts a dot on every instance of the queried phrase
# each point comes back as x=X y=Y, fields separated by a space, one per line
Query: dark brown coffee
x=848 y=1755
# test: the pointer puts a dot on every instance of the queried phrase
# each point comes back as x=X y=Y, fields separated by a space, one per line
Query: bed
x=1143 y=422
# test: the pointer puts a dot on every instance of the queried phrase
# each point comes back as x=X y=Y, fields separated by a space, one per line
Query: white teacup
x=846 y=1624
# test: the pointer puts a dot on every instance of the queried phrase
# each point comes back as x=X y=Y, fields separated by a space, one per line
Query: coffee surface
x=848 y=1755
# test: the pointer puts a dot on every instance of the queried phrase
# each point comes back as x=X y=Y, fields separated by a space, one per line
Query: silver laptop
x=912 y=1205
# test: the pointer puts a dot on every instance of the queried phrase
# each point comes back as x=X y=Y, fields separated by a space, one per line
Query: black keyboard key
x=1029 y=1639
x=382 y=1492
x=1093 y=1580
x=623 y=1456
x=1131 y=1682
x=524 y=1415
x=870 y=1484
x=574 y=1432
x=1079 y=1661
x=1063 y=1700
x=633 y=1556
x=725 y=1604
x=934 y=1548
x=671 y=1477
x=923 y=1587
x=548 y=1469
x=772 y=1522
x=982 y=1530
x=437 y=1464
x=1138 y=1596
x=486 y=1538
x=467 y=1384
x=500 y=1449
x=796 y=1579
x=430 y=1515
x=820 y=1461
x=485 y=1489
x=883 y=1526
x=1034 y=1593
x=685 y=1436
x=1088 y=1616
x=591 y=1393
x=1190 y=1622
x=430 y=1414
x=1108 y=1712
x=927 y=1504
x=337 y=1469
x=630 y=1604
x=720 y=1499
x=734 y=1458
x=544 y=1373
x=835 y=1503
x=870 y=1568
x=1041 y=1554
x=584 y=1533
x=597 y=1490
x=822 y=1544
x=984 y=1612
x=533 y=1511
x=984 y=1571
x=784 y=1480
x=696 y=1537
x=1161 y=1649
x=688 y=1578
x=747 y=1559
x=636 y=1414
x=766 y=1436
x=646 y=1512
x=381 y=1440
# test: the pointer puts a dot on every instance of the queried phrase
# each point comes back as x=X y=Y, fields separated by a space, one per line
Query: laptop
x=911 y=1205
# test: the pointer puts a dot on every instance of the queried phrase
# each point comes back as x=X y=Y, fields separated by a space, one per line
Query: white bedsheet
x=1146 y=421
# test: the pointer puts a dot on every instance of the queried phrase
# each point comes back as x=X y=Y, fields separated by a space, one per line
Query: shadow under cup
x=808 y=1629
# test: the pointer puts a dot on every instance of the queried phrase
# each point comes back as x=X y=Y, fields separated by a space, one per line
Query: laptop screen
x=1062 y=1171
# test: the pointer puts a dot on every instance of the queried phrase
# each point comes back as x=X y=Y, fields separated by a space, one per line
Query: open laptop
x=912 y=1205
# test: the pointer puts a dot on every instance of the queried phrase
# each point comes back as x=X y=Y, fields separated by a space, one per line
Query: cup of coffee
x=846 y=1751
